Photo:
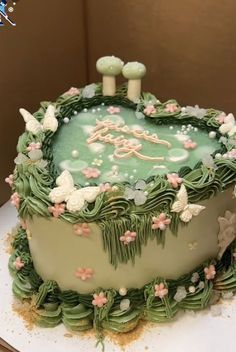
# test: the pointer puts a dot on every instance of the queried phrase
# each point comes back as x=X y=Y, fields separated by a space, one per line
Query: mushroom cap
x=109 y=65
x=134 y=70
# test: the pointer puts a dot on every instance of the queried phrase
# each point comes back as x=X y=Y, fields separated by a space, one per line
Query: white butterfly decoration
x=229 y=125
x=75 y=198
x=49 y=122
x=187 y=211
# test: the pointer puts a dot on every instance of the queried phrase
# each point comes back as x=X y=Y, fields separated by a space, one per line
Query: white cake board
x=191 y=332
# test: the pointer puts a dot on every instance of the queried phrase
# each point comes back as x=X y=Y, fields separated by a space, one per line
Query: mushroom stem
x=134 y=89
x=109 y=85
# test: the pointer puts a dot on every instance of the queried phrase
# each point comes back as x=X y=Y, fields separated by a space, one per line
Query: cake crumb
x=8 y=243
x=125 y=339
x=24 y=310
x=68 y=335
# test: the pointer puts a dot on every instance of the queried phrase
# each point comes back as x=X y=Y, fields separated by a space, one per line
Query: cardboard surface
x=42 y=57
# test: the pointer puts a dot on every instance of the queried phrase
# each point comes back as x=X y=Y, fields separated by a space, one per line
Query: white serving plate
x=191 y=332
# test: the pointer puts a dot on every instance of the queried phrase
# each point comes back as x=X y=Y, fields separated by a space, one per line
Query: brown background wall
x=188 y=46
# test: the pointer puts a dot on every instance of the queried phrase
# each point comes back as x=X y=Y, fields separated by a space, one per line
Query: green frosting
x=77 y=318
x=113 y=210
x=50 y=306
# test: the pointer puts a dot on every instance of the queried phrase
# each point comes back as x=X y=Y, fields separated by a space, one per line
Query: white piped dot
x=195 y=129
x=131 y=177
x=218 y=156
x=134 y=171
x=66 y=120
x=212 y=134
x=171 y=127
x=75 y=112
x=93 y=111
x=85 y=110
x=191 y=289
x=122 y=291
x=75 y=154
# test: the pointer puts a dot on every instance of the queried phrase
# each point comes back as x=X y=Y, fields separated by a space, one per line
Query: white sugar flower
x=34 y=157
x=208 y=161
x=89 y=91
x=229 y=125
x=137 y=193
x=193 y=111
x=181 y=293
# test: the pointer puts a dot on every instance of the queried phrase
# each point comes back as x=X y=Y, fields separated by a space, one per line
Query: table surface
x=191 y=333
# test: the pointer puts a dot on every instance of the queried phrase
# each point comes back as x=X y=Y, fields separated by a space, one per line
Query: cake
x=126 y=206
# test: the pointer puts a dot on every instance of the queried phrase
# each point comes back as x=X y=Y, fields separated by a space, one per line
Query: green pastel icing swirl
x=198 y=300
x=22 y=288
x=50 y=306
x=77 y=318
x=161 y=311
x=69 y=298
x=48 y=318
x=122 y=321
x=226 y=281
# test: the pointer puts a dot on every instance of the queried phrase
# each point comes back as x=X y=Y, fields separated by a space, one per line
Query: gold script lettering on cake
x=124 y=148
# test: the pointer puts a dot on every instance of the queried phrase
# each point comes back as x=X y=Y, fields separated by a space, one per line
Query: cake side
x=58 y=251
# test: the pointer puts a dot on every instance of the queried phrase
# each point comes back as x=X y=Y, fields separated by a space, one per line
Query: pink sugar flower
x=189 y=144
x=210 y=272
x=99 y=299
x=15 y=200
x=232 y=154
x=91 y=172
x=84 y=273
x=160 y=290
x=113 y=110
x=221 y=118
x=128 y=237
x=18 y=264
x=23 y=224
x=105 y=187
x=149 y=110
x=174 y=180
x=172 y=107
x=82 y=229
x=72 y=92
x=9 y=180
x=33 y=146
x=57 y=209
x=160 y=222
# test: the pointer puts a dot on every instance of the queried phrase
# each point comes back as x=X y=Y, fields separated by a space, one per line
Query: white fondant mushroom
x=109 y=67
x=134 y=71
